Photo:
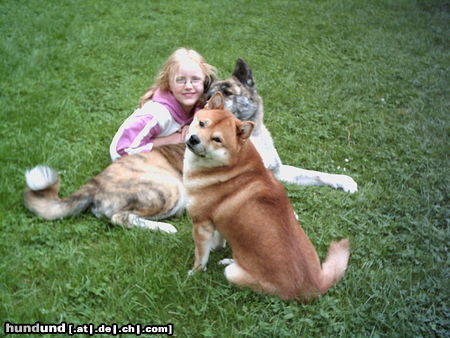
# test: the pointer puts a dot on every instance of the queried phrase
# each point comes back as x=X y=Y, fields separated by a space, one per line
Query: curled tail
x=41 y=195
x=334 y=266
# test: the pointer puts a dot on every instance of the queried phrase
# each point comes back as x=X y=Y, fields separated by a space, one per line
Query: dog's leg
x=293 y=175
x=289 y=174
x=217 y=241
x=240 y=277
x=204 y=240
x=129 y=220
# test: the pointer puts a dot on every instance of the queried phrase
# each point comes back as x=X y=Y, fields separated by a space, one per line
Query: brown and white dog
x=231 y=194
x=134 y=191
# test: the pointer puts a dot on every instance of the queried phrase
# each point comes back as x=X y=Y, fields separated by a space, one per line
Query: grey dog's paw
x=345 y=183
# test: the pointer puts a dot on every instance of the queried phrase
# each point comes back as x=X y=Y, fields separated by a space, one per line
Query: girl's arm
x=135 y=136
x=143 y=129
x=177 y=137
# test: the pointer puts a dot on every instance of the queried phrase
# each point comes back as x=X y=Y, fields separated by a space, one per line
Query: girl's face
x=187 y=84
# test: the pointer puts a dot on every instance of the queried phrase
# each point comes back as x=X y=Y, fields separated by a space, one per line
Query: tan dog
x=231 y=194
x=134 y=191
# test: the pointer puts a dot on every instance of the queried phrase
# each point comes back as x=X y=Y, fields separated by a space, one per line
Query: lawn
x=352 y=87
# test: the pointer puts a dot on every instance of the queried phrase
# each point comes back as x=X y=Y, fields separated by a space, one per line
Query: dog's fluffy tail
x=41 y=195
x=334 y=266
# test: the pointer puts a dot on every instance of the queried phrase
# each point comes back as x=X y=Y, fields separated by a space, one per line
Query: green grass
x=366 y=81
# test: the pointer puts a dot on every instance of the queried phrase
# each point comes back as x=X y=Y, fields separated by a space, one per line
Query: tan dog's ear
x=216 y=101
x=244 y=129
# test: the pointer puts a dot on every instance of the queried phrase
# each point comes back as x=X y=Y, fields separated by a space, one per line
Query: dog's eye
x=217 y=139
x=227 y=92
x=201 y=124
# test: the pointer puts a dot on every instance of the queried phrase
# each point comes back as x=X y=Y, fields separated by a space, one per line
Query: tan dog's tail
x=334 y=266
x=41 y=195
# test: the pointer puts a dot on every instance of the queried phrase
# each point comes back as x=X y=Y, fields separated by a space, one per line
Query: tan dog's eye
x=217 y=139
x=201 y=124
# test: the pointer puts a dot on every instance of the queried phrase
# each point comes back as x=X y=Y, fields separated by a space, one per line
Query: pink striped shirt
x=162 y=116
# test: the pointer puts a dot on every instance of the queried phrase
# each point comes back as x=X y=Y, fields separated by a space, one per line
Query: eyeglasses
x=182 y=81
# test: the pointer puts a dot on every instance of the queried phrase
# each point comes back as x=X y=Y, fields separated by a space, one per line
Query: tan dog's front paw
x=196 y=269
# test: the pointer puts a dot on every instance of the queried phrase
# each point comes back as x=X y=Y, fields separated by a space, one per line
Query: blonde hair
x=162 y=80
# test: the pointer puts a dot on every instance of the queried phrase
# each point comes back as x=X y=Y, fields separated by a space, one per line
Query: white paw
x=193 y=271
x=344 y=182
x=226 y=261
x=153 y=225
x=166 y=227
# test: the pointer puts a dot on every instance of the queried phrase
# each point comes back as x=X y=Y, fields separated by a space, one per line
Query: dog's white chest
x=264 y=145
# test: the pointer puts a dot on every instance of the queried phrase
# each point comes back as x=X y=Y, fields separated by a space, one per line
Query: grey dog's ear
x=208 y=82
x=216 y=101
x=243 y=73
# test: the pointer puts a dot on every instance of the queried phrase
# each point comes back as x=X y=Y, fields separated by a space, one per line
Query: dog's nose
x=194 y=140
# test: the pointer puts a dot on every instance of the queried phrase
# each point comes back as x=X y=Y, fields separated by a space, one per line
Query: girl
x=168 y=107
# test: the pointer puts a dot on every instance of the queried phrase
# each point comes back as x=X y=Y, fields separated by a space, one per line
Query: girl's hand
x=184 y=131
x=177 y=137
